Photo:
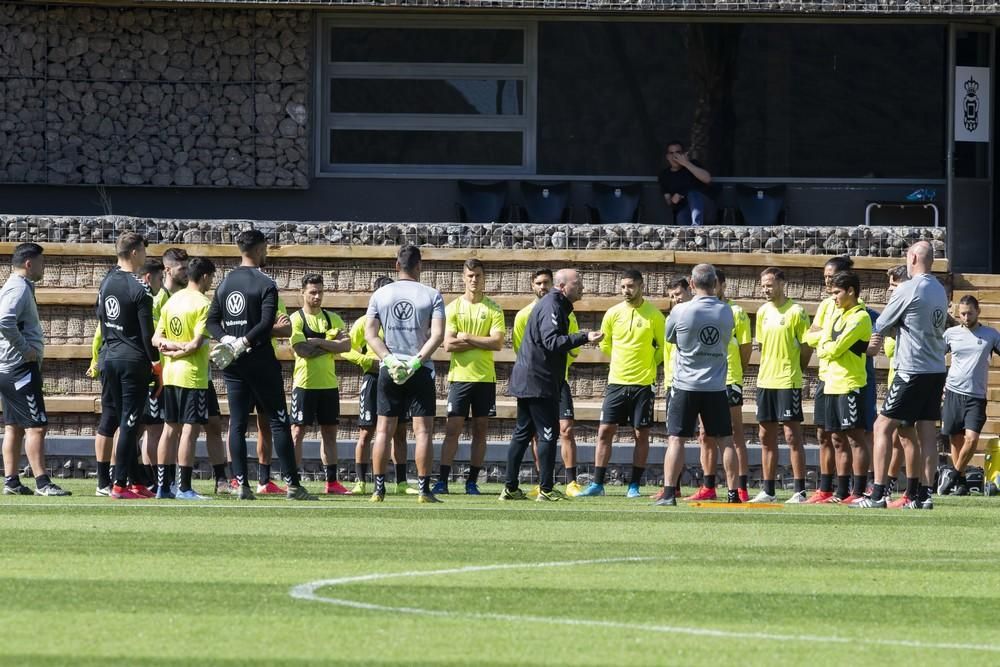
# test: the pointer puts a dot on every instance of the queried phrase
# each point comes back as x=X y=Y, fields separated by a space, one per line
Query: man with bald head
x=536 y=381
x=917 y=313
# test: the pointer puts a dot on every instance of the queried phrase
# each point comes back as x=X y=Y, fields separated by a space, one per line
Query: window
x=427 y=97
x=785 y=100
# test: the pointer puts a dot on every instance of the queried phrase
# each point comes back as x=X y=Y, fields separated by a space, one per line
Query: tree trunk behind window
x=713 y=49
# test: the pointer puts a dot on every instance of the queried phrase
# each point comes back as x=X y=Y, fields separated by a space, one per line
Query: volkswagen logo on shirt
x=709 y=335
x=938 y=318
x=176 y=328
x=236 y=303
x=112 y=308
x=402 y=310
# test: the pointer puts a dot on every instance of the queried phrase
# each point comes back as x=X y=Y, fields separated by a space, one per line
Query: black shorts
x=23 y=402
x=183 y=405
x=566 y=410
x=153 y=413
x=686 y=407
x=124 y=389
x=627 y=404
x=212 y=400
x=779 y=405
x=368 y=402
x=913 y=398
x=416 y=396
x=962 y=413
x=311 y=406
x=819 y=406
x=477 y=398
x=735 y=394
x=843 y=412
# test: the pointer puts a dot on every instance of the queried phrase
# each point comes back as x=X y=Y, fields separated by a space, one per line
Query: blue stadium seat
x=615 y=203
x=482 y=202
x=760 y=206
x=545 y=203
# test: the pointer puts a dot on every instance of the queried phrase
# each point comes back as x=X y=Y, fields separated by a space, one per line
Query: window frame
x=326 y=71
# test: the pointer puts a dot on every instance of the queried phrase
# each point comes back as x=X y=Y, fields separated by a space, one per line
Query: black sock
x=444 y=474
x=599 y=474
x=912 y=488
x=400 y=469
x=103 y=473
x=361 y=471
x=709 y=481
x=41 y=481
x=425 y=484
x=826 y=482
x=769 y=487
x=925 y=493
x=219 y=470
x=744 y=481
x=161 y=476
x=331 y=474
x=171 y=474
x=860 y=482
x=473 y=476
x=800 y=485
x=12 y=481
x=263 y=473
x=380 y=484
x=960 y=481
x=843 y=486
x=570 y=474
x=185 y=484
x=734 y=496
x=878 y=492
x=636 y=475
x=669 y=492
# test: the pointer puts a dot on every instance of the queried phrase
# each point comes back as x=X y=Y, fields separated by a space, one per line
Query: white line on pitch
x=364 y=506
x=307 y=591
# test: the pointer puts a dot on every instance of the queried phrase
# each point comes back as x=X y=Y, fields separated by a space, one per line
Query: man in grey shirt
x=918 y=312
x=700 y=329
x=412 y=316
x=971 y=344
x=21 y=349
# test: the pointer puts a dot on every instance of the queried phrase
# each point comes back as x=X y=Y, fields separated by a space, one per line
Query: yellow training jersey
x=360 y=354
x=159 y=301
x=825 y=312
x=315 y=372
x=282 y=311
x=475 y=319
x=843 y=345
x=183 y=317
x=741 y=336
x=521 y=323
x=888 y=344
x=633 y=338
x=780 y=332
x=668 y=363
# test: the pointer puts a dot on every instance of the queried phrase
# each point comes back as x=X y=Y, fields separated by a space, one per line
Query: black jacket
x=540 y=369
x=125 y=315
x=245 y=305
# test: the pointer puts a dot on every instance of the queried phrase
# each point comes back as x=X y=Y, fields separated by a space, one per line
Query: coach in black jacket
x=537 y=378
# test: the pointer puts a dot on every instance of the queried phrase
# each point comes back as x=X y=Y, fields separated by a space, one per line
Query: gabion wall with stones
x=143 y=96
x=859 y=241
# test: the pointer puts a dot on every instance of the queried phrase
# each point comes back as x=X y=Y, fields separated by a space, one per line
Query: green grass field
x=602 y=581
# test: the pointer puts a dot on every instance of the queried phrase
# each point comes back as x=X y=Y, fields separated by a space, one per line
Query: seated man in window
x=683 y=186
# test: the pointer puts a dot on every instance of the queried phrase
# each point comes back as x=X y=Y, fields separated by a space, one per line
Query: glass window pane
x=427 y=45
x=501 y=97
x=425 y=147
x=754 y=99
